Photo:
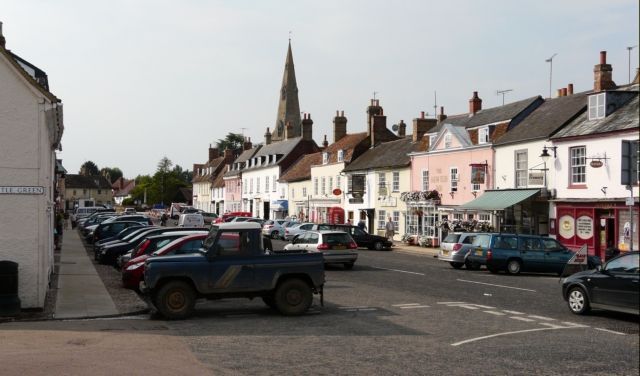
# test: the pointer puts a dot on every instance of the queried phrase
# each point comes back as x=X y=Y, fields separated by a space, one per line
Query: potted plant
x=408 y=239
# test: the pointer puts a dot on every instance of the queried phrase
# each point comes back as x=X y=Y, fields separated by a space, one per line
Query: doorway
x=266 y=209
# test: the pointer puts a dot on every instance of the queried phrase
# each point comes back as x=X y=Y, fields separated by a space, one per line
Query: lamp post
x=545 y=157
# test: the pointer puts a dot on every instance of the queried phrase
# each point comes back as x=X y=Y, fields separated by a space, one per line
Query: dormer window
x=432 y=140
x=325 y=158
x=483 y=135
x=340 y=155
x=447 y=141
x=597 y=106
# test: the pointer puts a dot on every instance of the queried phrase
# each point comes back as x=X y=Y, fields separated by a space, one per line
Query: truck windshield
x=208 y=242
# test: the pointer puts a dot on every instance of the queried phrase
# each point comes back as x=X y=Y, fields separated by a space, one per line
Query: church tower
x=288 y=106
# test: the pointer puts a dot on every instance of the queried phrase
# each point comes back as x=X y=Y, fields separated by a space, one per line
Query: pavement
x=81 y=293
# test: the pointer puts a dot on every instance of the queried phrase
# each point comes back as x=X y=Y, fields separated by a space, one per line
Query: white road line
x=495 y=313
x=610 y=331
x=451 y=303
x=541 y=318
x=416 y=306
x=483 y=306
x=361 y=309
x=405 y=305
x=521 y=319
x=354 y=307
x=398 y=270
x=508 y=333
x=574 y=324
x=467 y=306
x=491 y=284
x=555 y=326
x=512 y=312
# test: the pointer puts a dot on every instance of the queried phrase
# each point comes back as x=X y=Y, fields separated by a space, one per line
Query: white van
x=191 y=220
x=79 y=213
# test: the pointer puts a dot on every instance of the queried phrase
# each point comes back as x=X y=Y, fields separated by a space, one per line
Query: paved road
x=393 y=314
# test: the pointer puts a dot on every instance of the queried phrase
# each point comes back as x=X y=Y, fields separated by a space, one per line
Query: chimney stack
x=307 y=128
x=339 y=126
x=228 y=155
x=213 y=153
x=421 y=126
x=602 y=74
x=378 y=128
x=441 y=116
x=475 y=104
x=325 y=143
x=3 y=42
x=570 y=89
x=267 y=137
x=246 y=145
x=402 y=129
x=373 y=110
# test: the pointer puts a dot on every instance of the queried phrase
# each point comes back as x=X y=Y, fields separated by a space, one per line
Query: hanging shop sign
x=596 y=163
x=536 y=178
x=478 y=172
x=21 y=190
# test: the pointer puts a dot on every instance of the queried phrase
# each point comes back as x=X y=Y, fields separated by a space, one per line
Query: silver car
x=455 y=246
x=337 y=247
x=274 y=228
x=297 y=229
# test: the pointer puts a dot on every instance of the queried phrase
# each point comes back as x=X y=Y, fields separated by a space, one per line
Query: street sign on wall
x=21 y=190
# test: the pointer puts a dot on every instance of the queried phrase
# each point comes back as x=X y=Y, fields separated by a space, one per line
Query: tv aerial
x=503 y=92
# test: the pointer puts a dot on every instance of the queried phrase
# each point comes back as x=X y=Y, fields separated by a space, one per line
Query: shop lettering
x=26 y=190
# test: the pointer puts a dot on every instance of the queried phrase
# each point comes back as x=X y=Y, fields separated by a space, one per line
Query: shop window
x=578 y=164
x=457 y=216
x=521 y=165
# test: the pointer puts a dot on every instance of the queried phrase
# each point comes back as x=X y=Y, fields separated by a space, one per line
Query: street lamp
x=545 y=153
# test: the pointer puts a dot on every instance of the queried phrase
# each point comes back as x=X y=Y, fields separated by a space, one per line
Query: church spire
x=288 y=106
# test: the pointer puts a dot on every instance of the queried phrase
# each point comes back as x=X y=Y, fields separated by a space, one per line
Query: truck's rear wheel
x=175 y=300
x=293 y=297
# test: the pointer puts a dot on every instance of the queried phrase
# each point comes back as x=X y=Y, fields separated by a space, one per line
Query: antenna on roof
x=503 y=92
x=243 y=129
x=550 y=61
x=435 y=103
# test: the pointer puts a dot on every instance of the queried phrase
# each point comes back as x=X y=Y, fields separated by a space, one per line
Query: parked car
x=612 y=287
x=337 y=247
x=107 y=230
x=274 y=228
x=132 y=271
x=129 y=211
x=361 y=237
x=224 y=217
x=191 y=220
x=153 y=243
x=296 y=229
x=120 y=235
x=454 y=248
x=208 y=218
x=285 y=282
x=524 y=253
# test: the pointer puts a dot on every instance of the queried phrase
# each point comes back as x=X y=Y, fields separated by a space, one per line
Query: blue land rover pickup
x=233 y=264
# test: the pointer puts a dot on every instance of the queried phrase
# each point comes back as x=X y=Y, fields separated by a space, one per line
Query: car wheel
x=349 y=265
x=175 y=300
x=514 y=266
x=470 y=265
x=578 y=301
x=275 y=234
x=293 y=297
x=456 y=265
x=378 y=246
x=269 y=301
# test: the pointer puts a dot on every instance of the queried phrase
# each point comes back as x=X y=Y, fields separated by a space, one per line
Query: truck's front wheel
x=175 y=300
x=293 y=297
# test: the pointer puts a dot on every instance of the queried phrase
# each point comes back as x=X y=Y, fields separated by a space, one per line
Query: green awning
x=498 y=199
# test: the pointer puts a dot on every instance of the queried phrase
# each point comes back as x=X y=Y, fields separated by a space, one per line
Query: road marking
x=521 y=319
x=467 y=306
x=541 y=318
x=451 y=302
x=491 y=284
x=555 y=326
x=416 y=306
x=405 y=305
x=494 y=313
x=361 y=309
x=574 y=324
x=354 y=307
x=610 y=331
x=509 y=333
x=398 y=270
x=483 y=306
x=513 y=312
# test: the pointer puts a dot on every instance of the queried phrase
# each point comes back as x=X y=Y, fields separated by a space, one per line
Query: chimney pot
x=342 y=113
x=421 y=114
x=570 y=89
x=603 y=57
x=564 y=91
x=337 y=113
x=559 y=94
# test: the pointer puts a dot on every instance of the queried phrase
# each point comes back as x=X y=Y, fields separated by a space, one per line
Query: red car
x=133 y=269
x=224 y=218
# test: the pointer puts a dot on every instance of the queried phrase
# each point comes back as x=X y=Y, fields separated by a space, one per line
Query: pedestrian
x=59 y=225
x=362 y=226
x=163 y=219
x=390 y=229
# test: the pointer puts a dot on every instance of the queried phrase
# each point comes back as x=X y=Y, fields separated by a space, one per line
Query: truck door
x=232 y=268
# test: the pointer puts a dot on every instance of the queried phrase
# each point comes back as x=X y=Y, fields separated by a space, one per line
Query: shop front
x=597 y=224
x=280 y=208
x=320 y=209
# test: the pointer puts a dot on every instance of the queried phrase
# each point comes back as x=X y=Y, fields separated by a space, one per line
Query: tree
x=233 y=141
x=89 y=168
x=112 y=174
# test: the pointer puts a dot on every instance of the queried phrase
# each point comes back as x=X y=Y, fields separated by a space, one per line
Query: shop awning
x=280 y=205
x=499 y=199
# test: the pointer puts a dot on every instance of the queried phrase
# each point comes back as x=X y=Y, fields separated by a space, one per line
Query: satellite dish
x=395 y=127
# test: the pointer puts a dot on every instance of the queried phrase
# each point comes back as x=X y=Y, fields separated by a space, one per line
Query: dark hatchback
x=614 y=287
x=361 y=237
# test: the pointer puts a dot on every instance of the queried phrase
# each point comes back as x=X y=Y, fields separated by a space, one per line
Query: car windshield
x=208 y=242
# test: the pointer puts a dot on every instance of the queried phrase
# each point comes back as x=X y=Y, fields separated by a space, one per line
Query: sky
x=143 y=79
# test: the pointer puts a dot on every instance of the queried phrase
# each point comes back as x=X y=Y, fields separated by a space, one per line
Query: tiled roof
x=283 y=147
x=245 y=156
x=624 y=118
x=214 y=164
x=218 y=182
x=347 y=143
x=387 y=154
x=546 y=119
x=122 y=186
x=301 y=169
x=87 y=182
x=502 y=113
x=42 y=86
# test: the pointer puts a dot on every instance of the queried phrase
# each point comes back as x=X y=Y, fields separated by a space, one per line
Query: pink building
x=233 y=200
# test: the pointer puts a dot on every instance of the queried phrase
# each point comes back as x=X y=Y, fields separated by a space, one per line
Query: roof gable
x=459 y=137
